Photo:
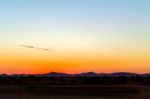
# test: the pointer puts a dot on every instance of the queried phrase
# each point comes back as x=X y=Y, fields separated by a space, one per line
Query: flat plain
x=74 y=92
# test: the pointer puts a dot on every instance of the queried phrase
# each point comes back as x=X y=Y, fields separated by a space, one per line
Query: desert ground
x=74 y=92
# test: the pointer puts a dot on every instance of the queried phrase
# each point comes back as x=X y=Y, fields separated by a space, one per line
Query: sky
x=81 y=35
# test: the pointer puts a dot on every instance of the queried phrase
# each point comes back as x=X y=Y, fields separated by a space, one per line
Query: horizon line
x=72 y=73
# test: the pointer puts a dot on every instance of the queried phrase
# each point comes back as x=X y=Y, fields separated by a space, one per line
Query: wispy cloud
x=33 y=47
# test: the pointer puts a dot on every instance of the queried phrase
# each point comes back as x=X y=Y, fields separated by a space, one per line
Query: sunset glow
x=84 y=35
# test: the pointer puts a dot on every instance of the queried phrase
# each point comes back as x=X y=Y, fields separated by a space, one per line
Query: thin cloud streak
x=33 y=47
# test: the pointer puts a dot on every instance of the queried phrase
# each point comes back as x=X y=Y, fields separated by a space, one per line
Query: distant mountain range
x=93 y=74
x=86 y=74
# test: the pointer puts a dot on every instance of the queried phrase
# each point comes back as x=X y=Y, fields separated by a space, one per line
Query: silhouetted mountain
x=88 y=74
x=55 y=74
x=3 y=75
x=103 y=74
x=124 y=74
x=146 y=75
x=21 y=75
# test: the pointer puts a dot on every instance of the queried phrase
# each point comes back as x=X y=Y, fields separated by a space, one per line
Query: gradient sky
x=86 y=35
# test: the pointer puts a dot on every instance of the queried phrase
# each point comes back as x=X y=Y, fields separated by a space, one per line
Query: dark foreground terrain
x=43 y=87
x=74 y=92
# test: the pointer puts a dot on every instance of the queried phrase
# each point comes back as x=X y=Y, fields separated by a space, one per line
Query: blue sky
x=92 y=22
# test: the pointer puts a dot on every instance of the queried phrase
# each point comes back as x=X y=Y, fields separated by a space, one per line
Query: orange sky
x=23 y=60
